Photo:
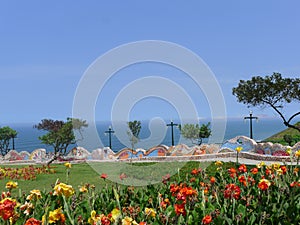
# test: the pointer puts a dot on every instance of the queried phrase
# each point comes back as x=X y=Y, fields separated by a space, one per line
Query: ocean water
x=28 y=137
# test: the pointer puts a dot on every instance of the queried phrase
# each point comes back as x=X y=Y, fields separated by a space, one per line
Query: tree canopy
x=6 y=135
x=134 y=131
x=270 y=91
x=195 y=133
x=60 y=133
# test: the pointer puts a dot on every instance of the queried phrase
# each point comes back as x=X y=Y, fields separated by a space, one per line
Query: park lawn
x=138 y=174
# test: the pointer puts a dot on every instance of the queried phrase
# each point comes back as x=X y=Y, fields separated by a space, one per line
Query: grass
x=138 y=174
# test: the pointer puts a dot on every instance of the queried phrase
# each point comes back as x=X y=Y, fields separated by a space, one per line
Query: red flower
x=173 y=189
x=7 y=208
x=207 y=219
x=105 y=220
x=123 y=176
x=33 y=221
x=295 y=184
x=166 y=178
x=284 y=169
x=180 y=209
x=254 y=170
x=103 y=176
x=194 y=172
x=268 y=172
x=243 y=168
x=242 y=179
x=251 y=180
x=232 y=191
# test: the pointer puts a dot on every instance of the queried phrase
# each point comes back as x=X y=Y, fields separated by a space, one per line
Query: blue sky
x=46 y=46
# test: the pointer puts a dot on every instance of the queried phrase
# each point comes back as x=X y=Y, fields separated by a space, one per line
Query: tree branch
x=293 y=116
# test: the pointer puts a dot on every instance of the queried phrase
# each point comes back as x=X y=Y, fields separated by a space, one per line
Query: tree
x=60 y=134
x=134 y=132
x=6 y=134
x=273 y=91
x=288 y=139
x=205 y=132
x=195 y=133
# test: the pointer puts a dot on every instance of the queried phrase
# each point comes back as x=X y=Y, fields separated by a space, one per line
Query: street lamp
x=109 y=132
x=172 y=131
x=250 y=117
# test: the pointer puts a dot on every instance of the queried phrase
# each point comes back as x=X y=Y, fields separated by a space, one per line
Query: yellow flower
x=11 y=185
x=239 y=149
x=83 y=189
x=128 y=221
x=275 y=166
x=218 y=163
x=150 y=212
x=288 y=151
x=115 y=214
x=34 y=194
x=279 y=171
x=94 y=218
x=63 y=189
x=297 y=153
x=261 y=164
x=56 y=215
x=68 y=165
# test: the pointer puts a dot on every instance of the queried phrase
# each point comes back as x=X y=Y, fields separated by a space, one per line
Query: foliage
x=195 y=133
x=6 y=134
x=273 y=91
x=134 y=131
x=60 y=134
x=291 y=135
x=221 y=194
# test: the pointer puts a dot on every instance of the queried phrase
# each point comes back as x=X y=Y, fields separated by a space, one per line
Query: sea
x=28 y=136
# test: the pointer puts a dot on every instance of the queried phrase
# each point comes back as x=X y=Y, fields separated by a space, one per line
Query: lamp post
x=250 y=117
x=109 y=132
x=172 y=131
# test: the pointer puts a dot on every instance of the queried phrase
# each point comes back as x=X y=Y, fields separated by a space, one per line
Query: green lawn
x=138 y=174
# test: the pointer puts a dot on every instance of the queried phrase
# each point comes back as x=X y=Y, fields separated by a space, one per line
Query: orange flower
x=243 y=168
x=212 y=180
x=180 y=209
x=33 y=221
x=232 y=191
x=242 y=179
x=254 y=170
x=165 y=203
x=173 y=189
x=232 y=172
x=283 y=169
x=264 y=184
x=207 y=219
x=268 y=172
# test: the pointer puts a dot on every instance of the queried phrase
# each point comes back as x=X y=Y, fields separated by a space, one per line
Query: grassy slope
x=278 y=138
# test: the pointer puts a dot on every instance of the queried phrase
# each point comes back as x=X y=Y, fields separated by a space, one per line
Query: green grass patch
x=139 y=174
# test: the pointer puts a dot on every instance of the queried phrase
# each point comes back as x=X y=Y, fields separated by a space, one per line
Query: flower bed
x=220 y=194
